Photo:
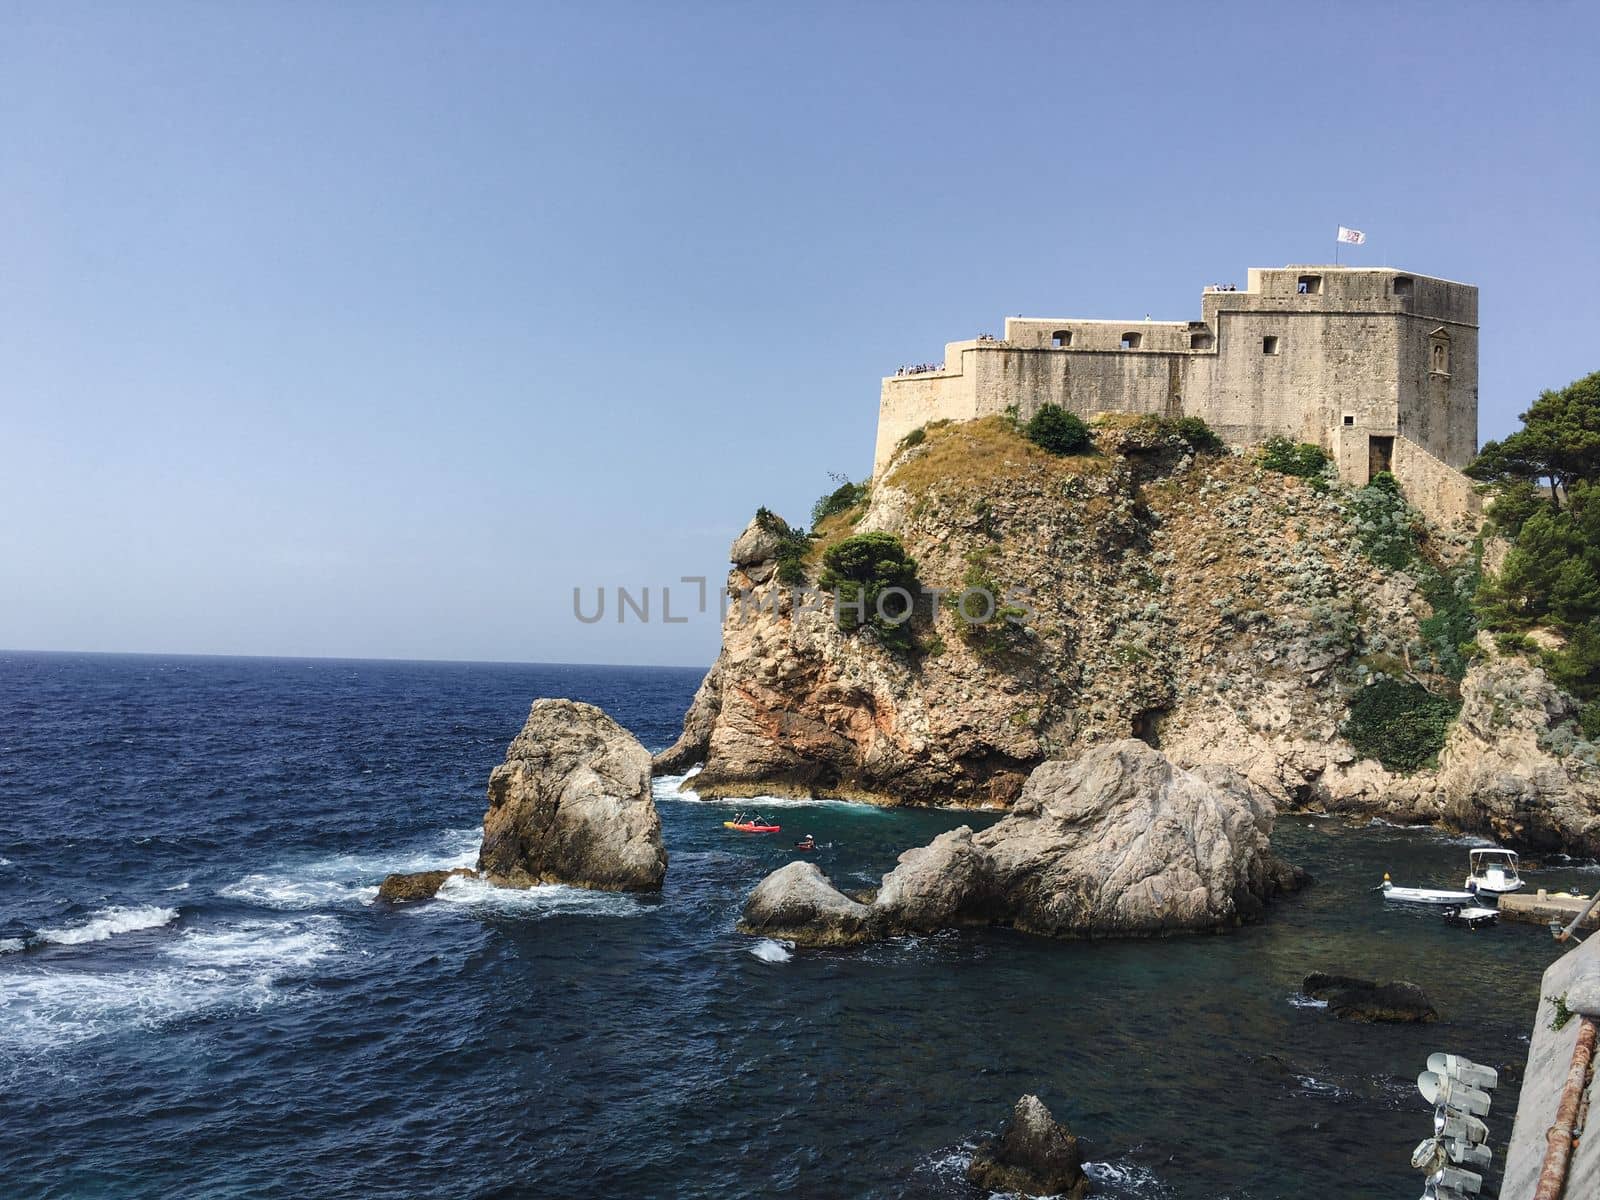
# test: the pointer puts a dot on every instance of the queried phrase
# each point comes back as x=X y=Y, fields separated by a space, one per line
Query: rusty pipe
x=1553 y=1174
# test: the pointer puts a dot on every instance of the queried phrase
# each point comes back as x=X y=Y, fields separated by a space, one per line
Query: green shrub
x=1201 y=437
x=792 y=547
x=858 y=571
x=915 y=438
x=1402 y=725
x=1514 y=643
x=994 y=636
x=1452 y=630
x=1576 y=666
x=1589 y=720
x=1054 y=429
x=1386 y=526
x=1294 y=458
x=843 y=498
x=1513 y=505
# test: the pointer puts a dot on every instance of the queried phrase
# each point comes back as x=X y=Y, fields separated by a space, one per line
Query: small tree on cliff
x=1054 y=429
x=858 y=571
x=1558 y=445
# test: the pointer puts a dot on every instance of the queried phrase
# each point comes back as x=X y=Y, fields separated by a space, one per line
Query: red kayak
x=750 y=827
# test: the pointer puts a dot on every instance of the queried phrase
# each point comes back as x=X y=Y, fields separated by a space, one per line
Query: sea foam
x=771 y=951
x=107 y=923
x=547 y=900
x=229 y=968
x=345 y=879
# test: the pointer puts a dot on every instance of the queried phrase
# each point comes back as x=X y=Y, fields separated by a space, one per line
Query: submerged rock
x=1119 y=843
x=797 y=903
x=1035 y=1155
x=405 y=887
x=1352 y=999
x=571 y=804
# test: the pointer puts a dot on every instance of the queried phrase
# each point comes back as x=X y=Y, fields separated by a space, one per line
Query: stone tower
x=1378 y=366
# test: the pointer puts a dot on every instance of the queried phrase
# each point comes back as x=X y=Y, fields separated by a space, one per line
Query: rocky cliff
x=1200 y=602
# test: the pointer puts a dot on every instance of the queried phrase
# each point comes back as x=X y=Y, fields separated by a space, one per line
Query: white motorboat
x=1409 y=895
x=1473 y=916
x=1493 y=870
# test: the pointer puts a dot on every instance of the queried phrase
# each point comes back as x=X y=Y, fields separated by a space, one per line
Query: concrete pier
x=1540 y=908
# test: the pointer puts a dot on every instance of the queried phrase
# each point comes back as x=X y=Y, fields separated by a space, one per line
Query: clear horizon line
x=468 y=662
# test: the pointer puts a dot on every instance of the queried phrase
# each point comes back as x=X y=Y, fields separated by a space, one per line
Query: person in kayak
x=806 y=843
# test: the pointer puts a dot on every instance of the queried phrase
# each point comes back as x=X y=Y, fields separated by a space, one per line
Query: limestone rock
x=799 y=904
x=1035 y=1155
x=1352 y=999
x=571 y=804
x=1504 y=769
x=755 y=545
x=690 y=748
x=1123 y=842
x=406 y=887
x=1120 y=843
x=948 y=882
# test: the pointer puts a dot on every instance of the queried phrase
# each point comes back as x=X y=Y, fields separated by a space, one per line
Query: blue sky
x=373 y=329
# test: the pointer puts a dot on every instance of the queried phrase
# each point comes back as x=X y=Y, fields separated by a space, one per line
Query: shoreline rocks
x=571 y=804
x=797 y=903
x=406 y=887
x=1035 y=1155
x=1120 y=843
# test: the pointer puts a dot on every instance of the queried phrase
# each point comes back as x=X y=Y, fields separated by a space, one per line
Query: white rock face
x=797 y=903
x=571 y=804
x=1118 y=843
x=1506 y=771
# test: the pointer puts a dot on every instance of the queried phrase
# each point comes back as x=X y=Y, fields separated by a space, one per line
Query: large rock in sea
x=1352 y=999
x=571 y=804
x=798 y=903
x=1122 y=841
x=1119 y=843
x=1035 y=1155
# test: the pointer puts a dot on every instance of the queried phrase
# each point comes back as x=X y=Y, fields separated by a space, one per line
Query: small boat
x=1493 y=870
x=757 y=825
x=1472 y=916
x=1408 y=895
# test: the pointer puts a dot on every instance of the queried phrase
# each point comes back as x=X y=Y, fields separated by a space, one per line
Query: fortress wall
x=1444 y=494
x=1439 y=409
x=1081 y=382
x=911 y=401
x=1326 y=366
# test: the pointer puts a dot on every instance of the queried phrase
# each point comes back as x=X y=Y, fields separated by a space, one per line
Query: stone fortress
x=1377 y=366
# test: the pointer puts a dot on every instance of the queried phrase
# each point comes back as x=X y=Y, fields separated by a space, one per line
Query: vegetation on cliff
x=875 y=583
x=1545 y=483
x=1055 y=429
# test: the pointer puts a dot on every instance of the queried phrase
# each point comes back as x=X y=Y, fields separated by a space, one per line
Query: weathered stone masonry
x=1378 y=366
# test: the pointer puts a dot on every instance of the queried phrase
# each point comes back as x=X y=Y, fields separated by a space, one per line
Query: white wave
x=768 y=950
x=12 y=945
x=226 y=969
x=287 y=892
x=283 y=947
x=107 y=923
x=1320 y=1087
x=1301 y=1000
x=547 y=900
x=5 y=862
x=1125 y=1176
x=178 y=887
x=343 y=879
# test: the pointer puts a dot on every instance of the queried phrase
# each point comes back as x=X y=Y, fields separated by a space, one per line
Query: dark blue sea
x=199 y=997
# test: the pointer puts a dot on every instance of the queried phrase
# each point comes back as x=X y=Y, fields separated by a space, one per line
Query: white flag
x=1354 y=236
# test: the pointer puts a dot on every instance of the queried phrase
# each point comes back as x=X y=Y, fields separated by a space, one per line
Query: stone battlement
x=1359 y=360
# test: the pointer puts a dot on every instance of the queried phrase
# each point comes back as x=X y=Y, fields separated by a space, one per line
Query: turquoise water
x=209 y=1004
